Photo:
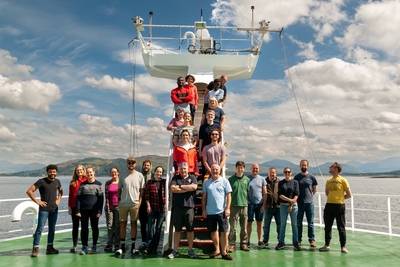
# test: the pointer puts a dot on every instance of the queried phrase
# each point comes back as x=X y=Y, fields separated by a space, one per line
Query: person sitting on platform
x=216 y=92
x=181 y=96
x=176 y=122
x=223 y=79
x=186 y=152
x=220 y=117
x=187 y=125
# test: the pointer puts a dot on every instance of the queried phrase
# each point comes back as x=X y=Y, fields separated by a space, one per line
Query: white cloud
x=6 y=135
x=10 y=68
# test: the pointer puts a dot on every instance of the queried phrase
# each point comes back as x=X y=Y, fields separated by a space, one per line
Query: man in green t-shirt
x=240 y=184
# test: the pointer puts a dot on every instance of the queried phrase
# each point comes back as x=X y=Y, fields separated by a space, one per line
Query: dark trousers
x=94 y=224
x=143 y=218
x=75 y=227
x=332 y=212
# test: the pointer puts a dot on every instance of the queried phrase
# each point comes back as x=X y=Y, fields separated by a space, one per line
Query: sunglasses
x=286 y=172
x=131 y=162
x=215 y=134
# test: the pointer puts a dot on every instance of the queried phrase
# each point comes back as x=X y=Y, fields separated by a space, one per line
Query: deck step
x=197 y=242
x=197 y=229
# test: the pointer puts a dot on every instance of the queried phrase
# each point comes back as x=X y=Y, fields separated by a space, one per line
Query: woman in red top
x=78 y=177
x=186 y=152
x=195 y=101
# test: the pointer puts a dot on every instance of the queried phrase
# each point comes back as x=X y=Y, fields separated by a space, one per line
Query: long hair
x=75 y=177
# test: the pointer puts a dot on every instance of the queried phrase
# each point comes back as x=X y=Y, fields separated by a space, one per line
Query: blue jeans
x=153 y=235
x=268 y=214
x=52 y=220
x=308 y=209
x=293 y=220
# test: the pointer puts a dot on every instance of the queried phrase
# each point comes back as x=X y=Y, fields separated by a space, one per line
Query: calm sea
x=371 y=205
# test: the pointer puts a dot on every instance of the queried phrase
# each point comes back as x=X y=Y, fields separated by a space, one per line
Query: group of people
x=190 y=142
x=140 y=195
x=224 y=203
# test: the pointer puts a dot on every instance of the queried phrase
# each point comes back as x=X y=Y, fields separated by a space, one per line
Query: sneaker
x=265 y=243
x=134 y=251
x=231 y=249
x=344 y=250
x=108 y=247
x=173 y=254
x=73 y=249
x=84 y=251
x=313 y=244
x=35 y=251
x=280 y=246
x=244 y=247
x=227 y=257
x=93 y=250
x=191 y=254
x=51 y=250
x=118 y=252
x=143 y=246
x=261 y=244
x=324 y=248
x=296 y=247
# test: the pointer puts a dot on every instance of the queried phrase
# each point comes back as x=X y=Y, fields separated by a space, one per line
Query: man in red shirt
x=181 y=96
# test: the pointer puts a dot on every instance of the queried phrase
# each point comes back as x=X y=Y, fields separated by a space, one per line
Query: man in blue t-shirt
x=308 y=187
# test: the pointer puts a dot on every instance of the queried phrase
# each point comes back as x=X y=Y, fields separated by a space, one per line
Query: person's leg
x=250 y=218
x=110 y=227
x=258 y=215
x=341 y=224
x=300 y=216
x=328 y=219
x=43 y=215
x=277 y=217
x=94 y=224
x=243 y=218
x=150 y=229
x=157 y=234
x=75 y=227
x=309 y=210
x=84 y=227
x=232 y=225
x=52 y=221
x=284 y=215
x=293 y=221
x=116 y=225
x=143 y=218
x=268 y=213
x=189 y=220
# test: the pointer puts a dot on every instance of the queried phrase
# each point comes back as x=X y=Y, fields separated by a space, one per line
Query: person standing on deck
x=288 y=191
x=111 y=210
x=130 y=195
x=181 y=96
x=337 y=190
x=272 y=205
x=143 y=215
x=308 y=187
x=183 y=186
x=50 y=196
x=240 y=184
x=78 y=178
x=89 y=206
x=214 y=153
x=155 y=202
x=257 y=198
x=216 y=204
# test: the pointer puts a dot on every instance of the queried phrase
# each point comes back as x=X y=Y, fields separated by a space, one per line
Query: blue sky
x=65 y=80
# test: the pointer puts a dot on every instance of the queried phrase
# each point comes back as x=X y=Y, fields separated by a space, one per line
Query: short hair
x=114 y=168
x=305 y=161
x=210 y=111
x=190 y=76
x=183 y=164
x=338 y=166
x=240 y=164
x=131 y=159
x=219 y=134
x=272 y=168
x=180 y=109
x=146 y=161
x=180 y=77
x=51 y=167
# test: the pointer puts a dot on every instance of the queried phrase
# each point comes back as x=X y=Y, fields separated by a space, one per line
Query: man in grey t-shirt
x=130 y=194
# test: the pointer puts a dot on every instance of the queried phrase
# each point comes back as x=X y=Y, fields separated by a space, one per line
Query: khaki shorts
x=132 y=211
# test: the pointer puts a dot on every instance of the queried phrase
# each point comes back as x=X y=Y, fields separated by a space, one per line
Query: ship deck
x=365 y=249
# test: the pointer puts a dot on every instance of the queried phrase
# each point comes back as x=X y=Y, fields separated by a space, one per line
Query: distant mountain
x=8 y=167
x=355 y=163
x=386 y=165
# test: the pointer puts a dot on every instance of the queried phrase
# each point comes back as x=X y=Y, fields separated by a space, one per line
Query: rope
x=298 y=108
x=133 y=145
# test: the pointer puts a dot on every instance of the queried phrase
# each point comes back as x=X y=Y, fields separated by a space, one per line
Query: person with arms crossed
x=272 y=205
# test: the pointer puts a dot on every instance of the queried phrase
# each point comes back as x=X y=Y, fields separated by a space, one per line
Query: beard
x=303 y=169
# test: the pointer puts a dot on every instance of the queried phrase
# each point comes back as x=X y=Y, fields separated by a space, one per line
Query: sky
x=66 y=80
